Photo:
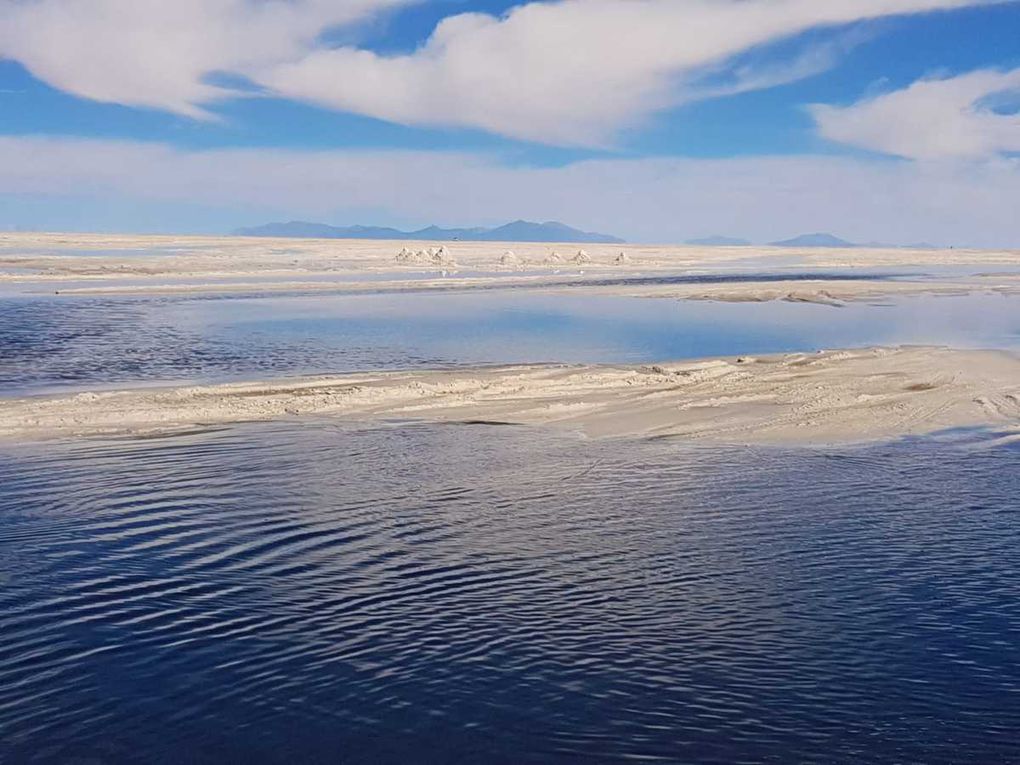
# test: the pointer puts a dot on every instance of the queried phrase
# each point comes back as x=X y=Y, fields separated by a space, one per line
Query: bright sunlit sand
x=819 y=398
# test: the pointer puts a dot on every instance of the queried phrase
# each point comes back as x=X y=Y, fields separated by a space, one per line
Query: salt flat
x=90 y=264
x=828 y=397
x=833 y=396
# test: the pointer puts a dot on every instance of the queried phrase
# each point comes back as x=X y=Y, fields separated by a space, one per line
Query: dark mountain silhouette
x=518 y=231
x=814 y=240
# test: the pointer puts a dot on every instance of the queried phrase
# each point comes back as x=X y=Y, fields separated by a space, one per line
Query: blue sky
x=608 y=114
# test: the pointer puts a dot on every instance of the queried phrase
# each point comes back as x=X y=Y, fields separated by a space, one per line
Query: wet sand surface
x=836 y=396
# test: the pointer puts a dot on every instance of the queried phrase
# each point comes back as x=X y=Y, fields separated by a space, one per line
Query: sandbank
x=811 y=398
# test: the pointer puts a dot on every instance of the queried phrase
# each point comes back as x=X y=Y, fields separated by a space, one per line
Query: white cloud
x=567 y=72
x=655 y=199
x=932 y=119
x=570 y=72
x=159 y=53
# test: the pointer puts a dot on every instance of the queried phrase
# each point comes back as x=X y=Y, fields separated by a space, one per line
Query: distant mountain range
x=808 y=240
x=518 y=231
x=814 y=240
x=527 y=231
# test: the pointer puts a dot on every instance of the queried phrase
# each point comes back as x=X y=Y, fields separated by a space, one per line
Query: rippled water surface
x=312 y=592
x=52 y=342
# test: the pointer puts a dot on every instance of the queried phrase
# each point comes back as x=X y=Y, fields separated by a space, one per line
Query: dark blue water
x=310 y=592
x=50 y=342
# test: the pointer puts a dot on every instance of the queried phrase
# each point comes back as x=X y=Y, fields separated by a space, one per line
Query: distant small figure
x=622 y=259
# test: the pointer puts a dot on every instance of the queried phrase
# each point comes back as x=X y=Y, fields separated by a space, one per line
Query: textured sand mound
x=801 y=398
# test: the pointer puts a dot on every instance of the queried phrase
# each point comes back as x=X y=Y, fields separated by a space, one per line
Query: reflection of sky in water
x=562 y=327
x=453 y=594
x=53 y=341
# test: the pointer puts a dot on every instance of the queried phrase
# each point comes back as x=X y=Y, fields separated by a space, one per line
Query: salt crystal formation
x=433 y=256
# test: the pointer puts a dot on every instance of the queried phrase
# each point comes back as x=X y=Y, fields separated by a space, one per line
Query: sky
x=656 y=120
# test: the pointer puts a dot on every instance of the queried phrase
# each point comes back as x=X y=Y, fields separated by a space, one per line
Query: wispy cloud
x=160 y=53
x=573 y=72
x=933 y=119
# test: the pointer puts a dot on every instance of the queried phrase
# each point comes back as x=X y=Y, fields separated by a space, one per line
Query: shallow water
x=311 y=592
x=54 y=342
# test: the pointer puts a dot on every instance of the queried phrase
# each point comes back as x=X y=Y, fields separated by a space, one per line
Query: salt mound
x=431 y=257
x=581 y=257
x=508 y=258
x=554 y=257
x=622 y=259
x=442 y=257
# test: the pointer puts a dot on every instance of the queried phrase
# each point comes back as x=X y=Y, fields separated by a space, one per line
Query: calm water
x=52 y=342
x=311 y=592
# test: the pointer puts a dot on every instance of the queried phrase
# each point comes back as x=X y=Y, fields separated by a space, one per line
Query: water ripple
x=325 y=593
